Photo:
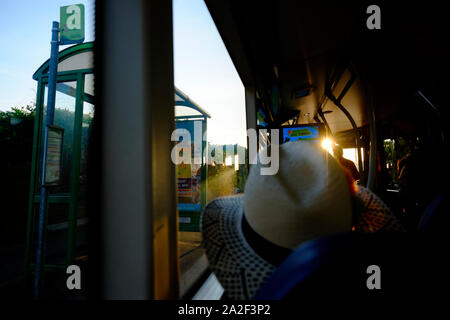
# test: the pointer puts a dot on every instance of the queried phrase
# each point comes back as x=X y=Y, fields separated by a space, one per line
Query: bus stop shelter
x=66 y=221
x=191 y=178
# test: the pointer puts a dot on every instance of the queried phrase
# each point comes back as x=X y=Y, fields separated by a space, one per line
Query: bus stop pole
x=44 y=192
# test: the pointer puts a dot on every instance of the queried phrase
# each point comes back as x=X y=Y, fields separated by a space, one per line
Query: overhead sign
x=71 y=24
x=301 y=133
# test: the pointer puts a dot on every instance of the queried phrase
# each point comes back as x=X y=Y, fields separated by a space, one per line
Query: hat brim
x=239 y=269
x=375 y=214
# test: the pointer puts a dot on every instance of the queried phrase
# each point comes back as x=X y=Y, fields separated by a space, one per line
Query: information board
x=188 y=176
x=54 y=155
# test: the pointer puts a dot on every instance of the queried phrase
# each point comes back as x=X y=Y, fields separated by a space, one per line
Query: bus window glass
x=210 y=107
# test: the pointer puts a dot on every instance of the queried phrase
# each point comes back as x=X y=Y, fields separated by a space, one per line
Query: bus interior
x=378 y=93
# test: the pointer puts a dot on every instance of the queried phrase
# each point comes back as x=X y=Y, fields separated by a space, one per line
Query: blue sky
x=203 y=68
x=205 y=72
x=25 y=33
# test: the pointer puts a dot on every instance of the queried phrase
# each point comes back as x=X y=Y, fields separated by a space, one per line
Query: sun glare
x=327 y=144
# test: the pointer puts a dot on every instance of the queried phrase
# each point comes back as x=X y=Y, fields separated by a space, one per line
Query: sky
x=25 y=34
x=203 y=68
x=205 y=72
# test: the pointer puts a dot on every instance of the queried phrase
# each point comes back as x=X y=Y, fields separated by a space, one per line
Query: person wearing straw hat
x=247 y=236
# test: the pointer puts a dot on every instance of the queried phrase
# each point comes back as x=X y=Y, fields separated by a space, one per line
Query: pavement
x=193 y=262
x=193 y=266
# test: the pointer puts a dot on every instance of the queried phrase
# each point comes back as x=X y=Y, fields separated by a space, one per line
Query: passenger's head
x=338 y=152
x=307 y=198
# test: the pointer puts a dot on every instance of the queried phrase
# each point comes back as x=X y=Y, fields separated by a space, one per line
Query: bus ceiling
x=296 y=53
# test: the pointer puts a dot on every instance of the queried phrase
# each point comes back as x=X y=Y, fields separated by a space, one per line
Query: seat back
x=436 y=216
x=338 y=265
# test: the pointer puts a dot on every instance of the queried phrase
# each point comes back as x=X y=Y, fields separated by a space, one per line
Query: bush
x=16 y=143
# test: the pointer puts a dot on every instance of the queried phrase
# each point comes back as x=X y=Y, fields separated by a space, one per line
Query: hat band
x=266 y=249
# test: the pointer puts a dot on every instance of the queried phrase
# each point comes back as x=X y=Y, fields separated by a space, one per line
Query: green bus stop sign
x=71 y=24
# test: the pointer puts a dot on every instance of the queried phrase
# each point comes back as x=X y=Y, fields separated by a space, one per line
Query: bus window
x=352 y=155
x=209 y=106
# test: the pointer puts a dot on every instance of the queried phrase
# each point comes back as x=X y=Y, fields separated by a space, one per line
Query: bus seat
x=337 y=265
x=435 y=218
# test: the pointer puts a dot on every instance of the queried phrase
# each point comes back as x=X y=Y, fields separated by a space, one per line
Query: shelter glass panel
x=181 y=111
x=65 y=102
x=86 y=129
x=79 y=61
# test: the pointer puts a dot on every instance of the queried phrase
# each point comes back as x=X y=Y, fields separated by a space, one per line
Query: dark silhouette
x=345 y=163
